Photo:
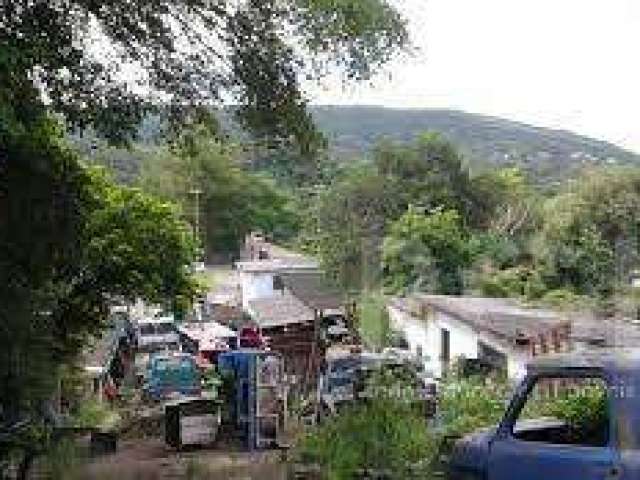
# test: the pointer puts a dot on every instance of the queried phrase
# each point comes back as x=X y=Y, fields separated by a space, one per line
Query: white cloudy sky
x=571 y=64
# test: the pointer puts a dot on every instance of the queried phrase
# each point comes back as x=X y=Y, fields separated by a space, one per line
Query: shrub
x=383 y=434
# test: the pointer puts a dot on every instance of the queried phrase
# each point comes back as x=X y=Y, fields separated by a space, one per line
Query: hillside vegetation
x=485 y=141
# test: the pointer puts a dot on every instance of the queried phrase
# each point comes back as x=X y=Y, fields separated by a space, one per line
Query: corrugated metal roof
x=279 y=310
x=275 y=266
x=314 y=290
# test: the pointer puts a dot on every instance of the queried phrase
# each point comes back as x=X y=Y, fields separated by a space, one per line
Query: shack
x=287 y=323
x=499 y=333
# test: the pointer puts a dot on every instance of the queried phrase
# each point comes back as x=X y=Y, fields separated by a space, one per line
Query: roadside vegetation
x=388 y=437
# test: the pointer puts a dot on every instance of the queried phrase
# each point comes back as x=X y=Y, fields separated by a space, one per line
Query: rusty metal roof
x=279 y=310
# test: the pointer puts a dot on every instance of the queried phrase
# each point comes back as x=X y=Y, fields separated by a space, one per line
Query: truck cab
x=597 y=438
x=172 y=375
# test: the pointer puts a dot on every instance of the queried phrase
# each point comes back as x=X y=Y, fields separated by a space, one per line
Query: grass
x=373 y=320
x=213 y=276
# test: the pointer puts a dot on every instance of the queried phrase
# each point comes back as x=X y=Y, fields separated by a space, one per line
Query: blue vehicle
x=524 y=448
x=172 y=376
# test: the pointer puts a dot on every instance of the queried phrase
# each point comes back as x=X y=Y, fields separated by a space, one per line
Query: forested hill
x=485 y=141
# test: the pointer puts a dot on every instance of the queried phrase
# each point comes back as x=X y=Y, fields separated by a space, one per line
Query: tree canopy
x=71 y=240
x=426 y=252
x=106 y=63
x=350 y=218
x=231 y=201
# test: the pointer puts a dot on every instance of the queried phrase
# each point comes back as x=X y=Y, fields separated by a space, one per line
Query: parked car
x=552 y=448
x=172 y=375
x=346 y=379
x=156 y=333
x=141 y=365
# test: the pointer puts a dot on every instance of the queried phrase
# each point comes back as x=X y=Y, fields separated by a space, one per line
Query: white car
x=157 y=333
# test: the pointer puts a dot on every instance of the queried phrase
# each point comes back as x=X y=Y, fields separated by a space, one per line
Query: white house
x=497 y=332
x=258 y=277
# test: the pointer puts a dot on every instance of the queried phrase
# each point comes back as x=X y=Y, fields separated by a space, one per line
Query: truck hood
x=470 y=454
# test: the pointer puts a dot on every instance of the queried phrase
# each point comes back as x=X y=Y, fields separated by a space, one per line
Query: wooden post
x=314 y=362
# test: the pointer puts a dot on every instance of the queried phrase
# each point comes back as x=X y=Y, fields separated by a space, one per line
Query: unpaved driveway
x=150 y=459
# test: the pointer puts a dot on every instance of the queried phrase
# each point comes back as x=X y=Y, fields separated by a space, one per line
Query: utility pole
x=197 y=192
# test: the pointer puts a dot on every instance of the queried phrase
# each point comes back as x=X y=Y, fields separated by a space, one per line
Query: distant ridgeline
x=486 y=142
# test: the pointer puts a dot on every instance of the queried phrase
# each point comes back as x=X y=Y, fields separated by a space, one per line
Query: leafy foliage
x=384 y=434
x=426 y=252
x=349 y=219
x=191 y=53
x=589 y=240
x=467 y=404
x=231 y=201
x=71 y=241
x=373 y=320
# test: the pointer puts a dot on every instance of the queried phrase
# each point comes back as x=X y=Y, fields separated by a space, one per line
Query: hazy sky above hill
x=568 y=64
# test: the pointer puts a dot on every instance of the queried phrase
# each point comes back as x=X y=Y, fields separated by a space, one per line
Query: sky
x=567 y=64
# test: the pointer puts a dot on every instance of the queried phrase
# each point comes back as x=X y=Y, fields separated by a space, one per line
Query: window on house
x=490 y=359
x=445 y=346
x=569 y=411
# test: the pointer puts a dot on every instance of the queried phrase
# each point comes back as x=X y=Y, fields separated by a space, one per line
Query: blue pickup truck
x=526 y=448
x=171 y=375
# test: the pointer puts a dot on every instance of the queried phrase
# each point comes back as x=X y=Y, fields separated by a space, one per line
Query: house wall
x=413 y=328
x=463 y=340
x=255 y=285
x=424 y=334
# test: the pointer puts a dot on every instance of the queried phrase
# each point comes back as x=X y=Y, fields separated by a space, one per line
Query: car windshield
x=163 y=328
x=147 y=329
x=157 y=328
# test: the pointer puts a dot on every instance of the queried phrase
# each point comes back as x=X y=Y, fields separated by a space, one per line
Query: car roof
x=155 y=320
x=170 y=355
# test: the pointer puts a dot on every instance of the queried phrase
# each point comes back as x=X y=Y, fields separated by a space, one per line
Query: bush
x=468 y=404
x=390 y=435
x=523 y=282
x=92 y=414
x=383 y=434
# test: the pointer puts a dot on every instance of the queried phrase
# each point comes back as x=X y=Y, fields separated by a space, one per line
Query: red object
x=110 y=390
x=202 y=361
x=250 y=337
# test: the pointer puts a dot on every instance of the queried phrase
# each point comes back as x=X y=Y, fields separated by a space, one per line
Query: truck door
x=559 y=430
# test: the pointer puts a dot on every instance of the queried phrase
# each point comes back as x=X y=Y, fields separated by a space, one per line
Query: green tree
x=589 y=240
x=232 y=201
x=346 y=222
x=505 y=204
x=70 y=242
x=349 y=219
x=190 y=53
x=426 y=252
x=428 y=172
